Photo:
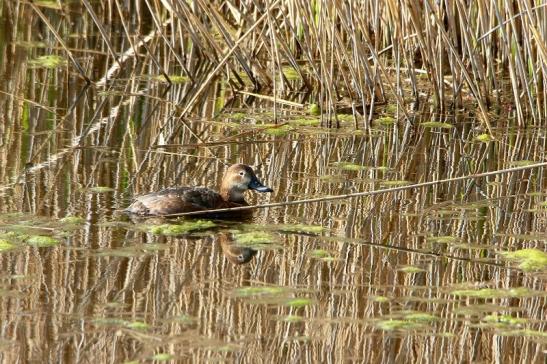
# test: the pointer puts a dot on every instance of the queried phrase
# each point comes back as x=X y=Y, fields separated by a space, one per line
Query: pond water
x=416 y=275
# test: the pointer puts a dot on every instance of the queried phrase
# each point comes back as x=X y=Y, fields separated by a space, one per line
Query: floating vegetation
x=298 y=228
x=258 y=291
x=380 y=299
x=5 y=245
x=162 y=357
x=384 y=121
x=314 y=110
x=276 y=130
x=305 y=122
x=391 y=325
x=137 y=325
x=322 y=254
x=487 y=293
x=291 y=318
x=290 y=73
x=436 y=124
x=395 y=183
x=522 y=163
x=485 y=138
x=348 y=166
x=42 y=241
x=421 y=317
x=528 y=259
x=410 y=269
x=50 y=62
x=255 y=239
x=179 y=229
x=298 y=302
x=442 y=239
x=175 y=79
x=506 y=320
x=99 y=189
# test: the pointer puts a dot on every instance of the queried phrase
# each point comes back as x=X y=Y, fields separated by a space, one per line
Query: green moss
x=528 y=259
x=179 y=229
x=436 y=124
x=42 y=241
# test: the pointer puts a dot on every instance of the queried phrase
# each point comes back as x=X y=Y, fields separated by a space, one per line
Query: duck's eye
x=241 y=173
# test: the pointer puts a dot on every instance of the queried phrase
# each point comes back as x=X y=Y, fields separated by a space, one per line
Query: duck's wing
x=176 y=200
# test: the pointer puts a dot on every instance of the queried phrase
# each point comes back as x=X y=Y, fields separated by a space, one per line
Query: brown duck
x=237 y=179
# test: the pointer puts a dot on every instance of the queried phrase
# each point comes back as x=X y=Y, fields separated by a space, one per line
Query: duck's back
x=177 y=200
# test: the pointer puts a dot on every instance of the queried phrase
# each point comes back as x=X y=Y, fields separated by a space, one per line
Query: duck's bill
x=258 y=186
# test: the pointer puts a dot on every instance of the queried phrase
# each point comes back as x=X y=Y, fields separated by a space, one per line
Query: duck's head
x=238 y=179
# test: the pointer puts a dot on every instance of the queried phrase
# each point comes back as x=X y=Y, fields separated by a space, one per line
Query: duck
x=238 y=179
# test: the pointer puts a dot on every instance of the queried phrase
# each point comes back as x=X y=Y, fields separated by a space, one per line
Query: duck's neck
x=231 y=195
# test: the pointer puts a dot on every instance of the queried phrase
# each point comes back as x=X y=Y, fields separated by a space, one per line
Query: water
x=416 y=275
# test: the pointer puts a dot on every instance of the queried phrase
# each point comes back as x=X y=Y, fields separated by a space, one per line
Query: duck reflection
x=233 y=252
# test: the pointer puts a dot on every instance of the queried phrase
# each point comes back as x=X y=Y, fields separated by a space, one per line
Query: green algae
x=393 y=324
x=488 y=293
x=421 y=317
x=290 y=73
x=5 y=245
x=384 y=121
x=162 y=357
x=72 y=220
x=258 y=291
x=305 y=122
x=298 y=302
x=299 y=228
x=348 y=166
x=42 y=241
x=137 y=325
x=255 y=238
x=528 y=259
x=179 y=229
x=49 y=61
x=291 y=318
x=410 y=269
x=277 y=131
x=395 y=183
x=314 y=110
x=485 y=138
x=380 y=299
x=100 y=189
x=442 y=239
x=436 y=124
x=504 y=319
